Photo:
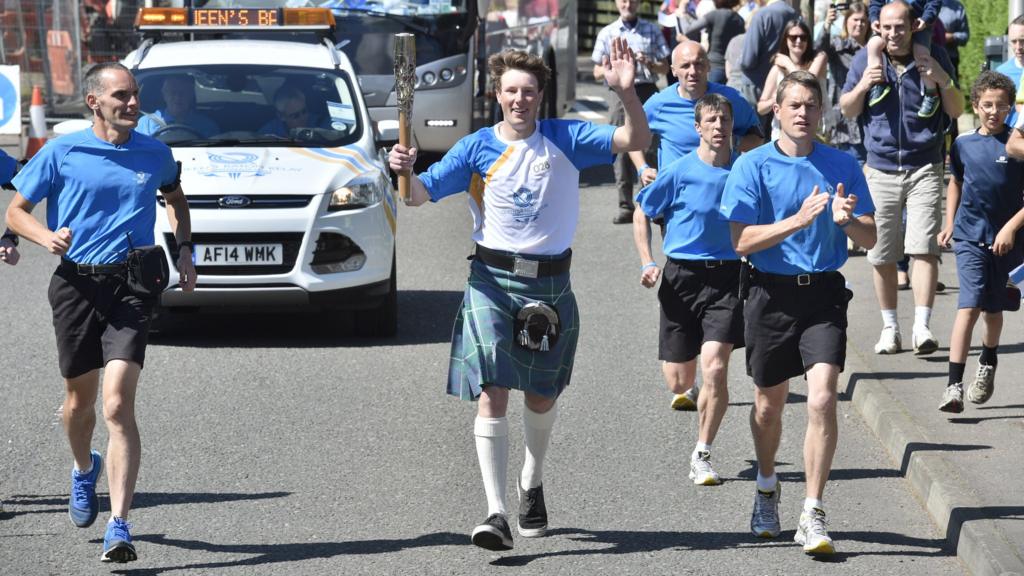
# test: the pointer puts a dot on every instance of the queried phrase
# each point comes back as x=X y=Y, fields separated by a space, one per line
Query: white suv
x=288 y=187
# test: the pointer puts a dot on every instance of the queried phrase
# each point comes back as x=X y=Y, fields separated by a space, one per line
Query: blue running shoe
x=117 y=543
x=84 y=505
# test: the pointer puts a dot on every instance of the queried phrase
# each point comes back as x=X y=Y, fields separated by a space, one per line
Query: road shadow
x=980 y=419
x=599 y=175
x=750 y=473
x=424 y=317
x=265 y=554
x=959 y=515
x=913 y=447
x=58 y=503
x=846 y=395
x=617 y=542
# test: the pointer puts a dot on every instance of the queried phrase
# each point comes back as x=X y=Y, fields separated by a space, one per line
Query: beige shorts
x=920 y=192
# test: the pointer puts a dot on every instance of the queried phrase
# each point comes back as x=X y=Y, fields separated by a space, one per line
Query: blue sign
x=9 y=96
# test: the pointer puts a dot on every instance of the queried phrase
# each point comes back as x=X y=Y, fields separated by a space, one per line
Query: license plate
x=238 y=254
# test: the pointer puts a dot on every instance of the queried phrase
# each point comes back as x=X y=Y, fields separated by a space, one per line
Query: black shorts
x=96 y=320
x=699 y=303
x=790 y=327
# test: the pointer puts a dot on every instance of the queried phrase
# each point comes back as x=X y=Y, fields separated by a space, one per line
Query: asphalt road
x=281 y=444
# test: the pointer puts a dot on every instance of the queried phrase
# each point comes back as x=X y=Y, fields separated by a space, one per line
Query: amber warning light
x=234 y=18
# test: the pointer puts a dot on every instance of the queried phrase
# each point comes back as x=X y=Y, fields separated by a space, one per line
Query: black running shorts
x=789 y=327
x=698 y=304
x=96 y=320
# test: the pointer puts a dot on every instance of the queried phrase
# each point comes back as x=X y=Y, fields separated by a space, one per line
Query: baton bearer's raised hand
x=620 y=68
x=405 y=82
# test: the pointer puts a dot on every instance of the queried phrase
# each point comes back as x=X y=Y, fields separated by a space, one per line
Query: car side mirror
x=387 y=131
x=70 y=126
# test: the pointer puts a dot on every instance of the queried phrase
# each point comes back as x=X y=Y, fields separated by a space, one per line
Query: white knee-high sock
x=536 y=435
x=492 y=452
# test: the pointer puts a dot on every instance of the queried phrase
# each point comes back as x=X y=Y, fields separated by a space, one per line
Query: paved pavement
x=966 y=468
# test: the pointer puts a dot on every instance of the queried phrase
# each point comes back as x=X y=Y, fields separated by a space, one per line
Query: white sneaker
x=812 y=534
x=953 y=399
x=889 y=342
x=984 y=384
x=924 y=341
x=701 y=471
x=687 y=401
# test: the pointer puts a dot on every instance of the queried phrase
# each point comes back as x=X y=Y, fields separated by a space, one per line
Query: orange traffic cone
x=37 y=128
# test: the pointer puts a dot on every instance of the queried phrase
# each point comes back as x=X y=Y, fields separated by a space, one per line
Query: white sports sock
x=767 y=484
x=812 y=503
x=922 y=317
x=889 y=319
x=701 y=447
x=84 y=471
x=536 y=435
x=492 y=452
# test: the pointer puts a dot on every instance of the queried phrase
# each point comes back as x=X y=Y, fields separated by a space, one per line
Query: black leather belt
x=523 y=265
x=91 y=269
x=704 y=264
x=765 y=278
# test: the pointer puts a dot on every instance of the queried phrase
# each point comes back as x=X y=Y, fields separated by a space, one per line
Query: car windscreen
x=248 y=105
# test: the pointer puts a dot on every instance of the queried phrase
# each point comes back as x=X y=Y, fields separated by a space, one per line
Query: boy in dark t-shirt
x=984 y=212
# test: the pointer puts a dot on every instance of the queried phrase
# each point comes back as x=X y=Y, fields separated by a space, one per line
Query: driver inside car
x=292 y=113
x=179 y=111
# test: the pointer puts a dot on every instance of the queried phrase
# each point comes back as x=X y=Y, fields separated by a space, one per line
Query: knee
x=765 y=412
x=821 y=404
x=118 y=412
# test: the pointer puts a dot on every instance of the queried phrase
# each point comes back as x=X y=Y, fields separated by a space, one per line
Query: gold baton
x=405 y=82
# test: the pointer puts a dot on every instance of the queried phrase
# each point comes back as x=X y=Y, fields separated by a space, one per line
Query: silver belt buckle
x=525 y=268
x=803 y=280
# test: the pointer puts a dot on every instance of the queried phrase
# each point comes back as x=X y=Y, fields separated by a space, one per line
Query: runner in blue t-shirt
x=8 y=240
x=701 y=310
x=670 y=112
x=100 y=187
x=518 y=324
x=984 y=212
x=791 y=205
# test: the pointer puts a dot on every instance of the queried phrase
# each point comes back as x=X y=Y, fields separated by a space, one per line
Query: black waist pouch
x=147 y=271
x=537 y=327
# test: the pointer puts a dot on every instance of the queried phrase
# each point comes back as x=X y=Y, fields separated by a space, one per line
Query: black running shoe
x=493 y=534
x=533 y=515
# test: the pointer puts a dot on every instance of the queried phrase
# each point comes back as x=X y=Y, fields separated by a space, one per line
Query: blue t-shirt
x=203 y=125
x=1011 y=69
x=688 y=193
x=670 y=116
x=101 y=191
x=8 y=166
x=523 y=194
x=991 y=185
x=766 y=186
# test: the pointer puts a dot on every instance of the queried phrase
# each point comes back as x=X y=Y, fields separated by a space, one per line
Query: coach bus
x=453 y=40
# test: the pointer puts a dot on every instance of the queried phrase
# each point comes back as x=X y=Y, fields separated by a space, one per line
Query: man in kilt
x=518 y=324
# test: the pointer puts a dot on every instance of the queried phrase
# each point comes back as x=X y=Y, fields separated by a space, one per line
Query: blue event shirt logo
x=525 y=210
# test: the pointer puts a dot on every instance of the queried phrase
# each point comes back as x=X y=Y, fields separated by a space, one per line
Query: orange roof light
x=162 y=17
x=308 y=17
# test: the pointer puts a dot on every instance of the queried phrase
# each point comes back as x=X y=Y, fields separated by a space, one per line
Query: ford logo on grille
x=234 y=201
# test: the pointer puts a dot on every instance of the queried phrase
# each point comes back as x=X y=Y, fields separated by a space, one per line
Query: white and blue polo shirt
x=524 y=195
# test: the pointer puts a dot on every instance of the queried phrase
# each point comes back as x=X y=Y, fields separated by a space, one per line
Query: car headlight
x=355 y=195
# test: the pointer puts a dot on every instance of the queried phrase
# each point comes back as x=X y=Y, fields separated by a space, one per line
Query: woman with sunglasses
x=795 y=53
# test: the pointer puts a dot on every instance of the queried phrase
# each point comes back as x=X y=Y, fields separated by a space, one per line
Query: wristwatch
x=10 y=236
x=189 y=244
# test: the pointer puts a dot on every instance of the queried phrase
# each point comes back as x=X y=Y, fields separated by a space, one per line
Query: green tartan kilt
x=484 y=351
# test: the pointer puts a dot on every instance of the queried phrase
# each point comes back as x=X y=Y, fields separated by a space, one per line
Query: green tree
x=986 y=18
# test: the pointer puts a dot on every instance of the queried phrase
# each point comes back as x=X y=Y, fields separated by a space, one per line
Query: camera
x=840 y=6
